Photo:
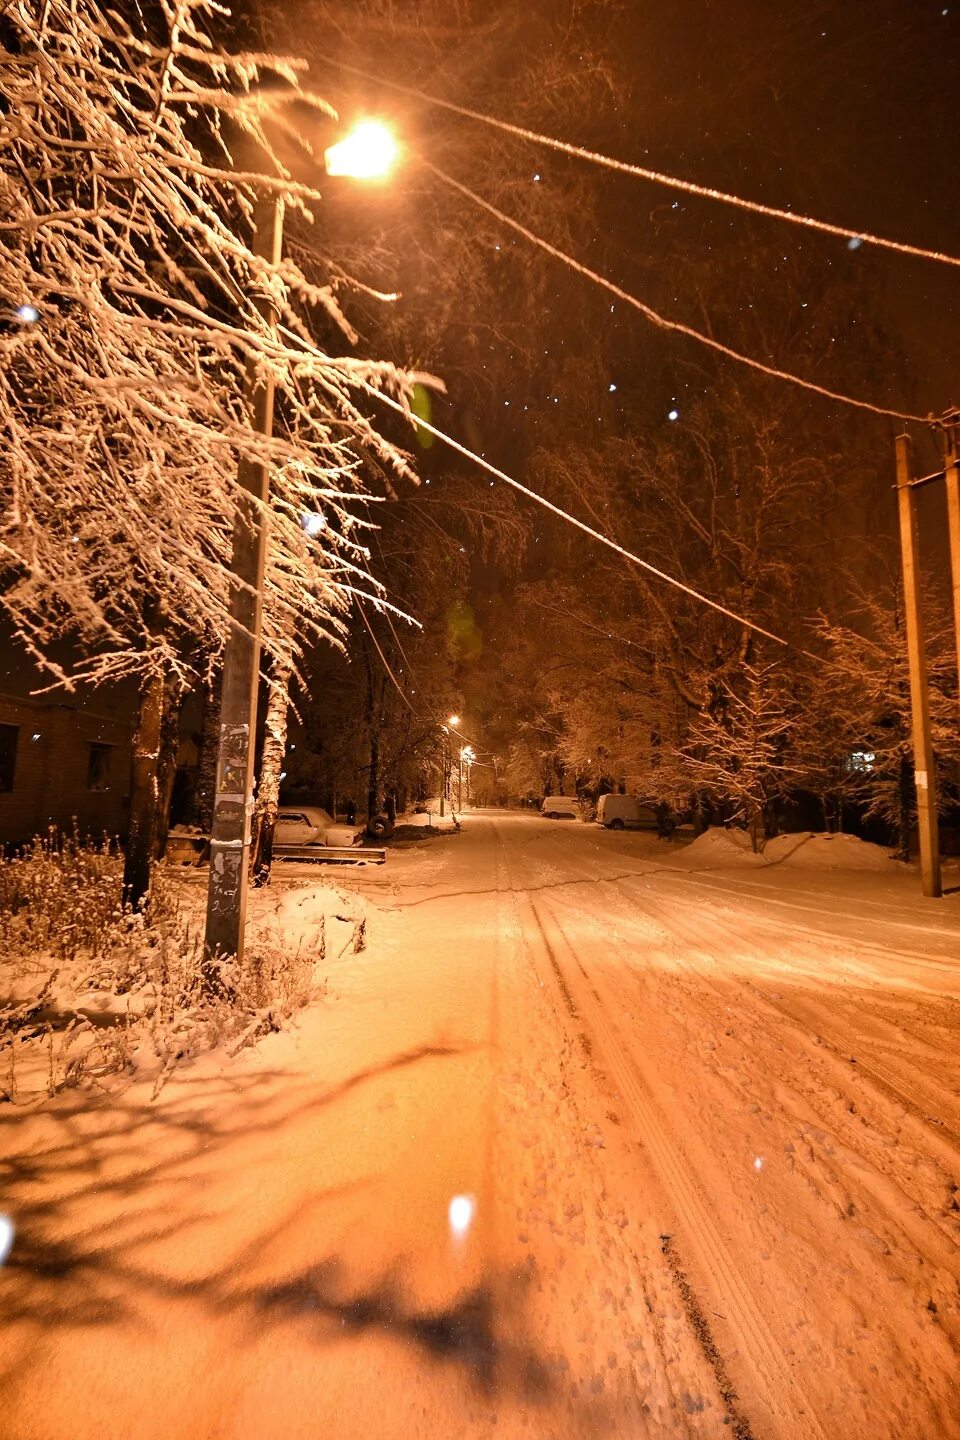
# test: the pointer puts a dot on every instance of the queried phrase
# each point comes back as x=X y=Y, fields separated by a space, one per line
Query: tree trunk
x=373 y=787
x=167 y=764
x=271 y=768
x=143 y=791
x=201 y=810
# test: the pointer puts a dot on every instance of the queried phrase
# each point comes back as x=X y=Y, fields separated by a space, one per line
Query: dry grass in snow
x=89 y=988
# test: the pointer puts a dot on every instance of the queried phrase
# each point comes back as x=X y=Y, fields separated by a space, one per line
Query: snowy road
x=708 y=1121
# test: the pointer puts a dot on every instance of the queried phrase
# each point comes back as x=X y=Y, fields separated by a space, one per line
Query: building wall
x=53 y=773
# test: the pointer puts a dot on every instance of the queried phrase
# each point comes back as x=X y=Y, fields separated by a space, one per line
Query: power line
x=662 y=321
x=659 y=177
x=386 y=664
x=417 y=714
x=541 y=500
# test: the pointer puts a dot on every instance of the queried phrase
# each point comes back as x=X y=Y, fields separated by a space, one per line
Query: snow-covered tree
x=738 y=748
x=860 y=717
x=133 y=150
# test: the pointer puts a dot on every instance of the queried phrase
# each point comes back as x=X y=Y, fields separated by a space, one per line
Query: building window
x=98 y=767
x=8 y=756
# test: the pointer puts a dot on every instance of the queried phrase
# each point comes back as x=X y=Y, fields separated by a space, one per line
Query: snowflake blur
x=460 y=1214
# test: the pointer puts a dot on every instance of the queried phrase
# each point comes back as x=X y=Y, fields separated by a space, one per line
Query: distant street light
x=367 y=153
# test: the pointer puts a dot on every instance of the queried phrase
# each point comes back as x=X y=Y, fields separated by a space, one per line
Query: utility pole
x=233 y=799
x=951 y=471
x=923 y=761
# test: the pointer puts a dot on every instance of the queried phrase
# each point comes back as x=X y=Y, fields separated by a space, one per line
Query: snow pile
x=720 y=846
x=807 y=849
x=818 y=851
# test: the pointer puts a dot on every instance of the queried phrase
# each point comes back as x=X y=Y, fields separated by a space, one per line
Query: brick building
x=61 y=761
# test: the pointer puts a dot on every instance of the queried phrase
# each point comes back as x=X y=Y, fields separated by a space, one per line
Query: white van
x=624 y=812
x=561 y=807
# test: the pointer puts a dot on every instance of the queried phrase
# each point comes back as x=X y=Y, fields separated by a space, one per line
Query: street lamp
x=452 y=720
x=369 y=152
x=364 y=154
x=466 y=757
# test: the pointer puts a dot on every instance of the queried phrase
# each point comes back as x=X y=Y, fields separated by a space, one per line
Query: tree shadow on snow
x=109 y=1194
x=468 y=1331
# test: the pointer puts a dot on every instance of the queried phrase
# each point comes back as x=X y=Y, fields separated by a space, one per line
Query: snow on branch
x=132 y=311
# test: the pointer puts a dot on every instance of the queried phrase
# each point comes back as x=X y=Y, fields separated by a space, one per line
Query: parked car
x=310 y=825
x=625 y=812
x=560 y=807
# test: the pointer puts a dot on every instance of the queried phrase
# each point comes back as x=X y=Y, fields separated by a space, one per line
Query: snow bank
x=719 y=846
x=806 y=849
x=828 y=852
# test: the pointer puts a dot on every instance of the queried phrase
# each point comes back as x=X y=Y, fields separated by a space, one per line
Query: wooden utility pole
x=233 y=801
x=923 y=761
x=951 y=471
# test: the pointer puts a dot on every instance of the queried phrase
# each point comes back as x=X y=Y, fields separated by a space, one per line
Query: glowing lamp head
x=29 y=314
x=369 y=152
x=453 y=720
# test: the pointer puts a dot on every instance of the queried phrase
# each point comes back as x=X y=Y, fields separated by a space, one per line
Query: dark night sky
x=845 y=109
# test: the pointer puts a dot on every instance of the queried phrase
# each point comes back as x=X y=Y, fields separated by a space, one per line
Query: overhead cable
x=557 y=510
x=663 y=321
x=417 y=714
x=659 y=177
x=386 y=664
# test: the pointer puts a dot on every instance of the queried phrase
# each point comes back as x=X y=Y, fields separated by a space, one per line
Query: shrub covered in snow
x=89 y=987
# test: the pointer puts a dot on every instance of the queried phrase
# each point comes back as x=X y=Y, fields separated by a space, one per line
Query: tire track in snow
x=657 y=1350
x=778 y=1389
x=667 y=920
x=935 y=1134
x=892 y=1191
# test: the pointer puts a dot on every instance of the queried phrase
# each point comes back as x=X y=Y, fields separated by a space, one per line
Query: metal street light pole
x=233 y=797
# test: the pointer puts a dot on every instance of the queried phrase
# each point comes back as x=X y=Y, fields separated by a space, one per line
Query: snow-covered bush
x=60 y=896
x=89 y=986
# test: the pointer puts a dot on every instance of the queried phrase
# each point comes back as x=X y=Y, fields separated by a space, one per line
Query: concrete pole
x=233 y=800
x=923 y=761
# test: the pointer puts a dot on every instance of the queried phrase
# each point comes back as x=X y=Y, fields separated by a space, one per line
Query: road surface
x=702 y=1129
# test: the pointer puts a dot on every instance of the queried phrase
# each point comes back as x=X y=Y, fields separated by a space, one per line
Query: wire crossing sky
x=662 y=321
x=546 y=504
x=673 y=182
